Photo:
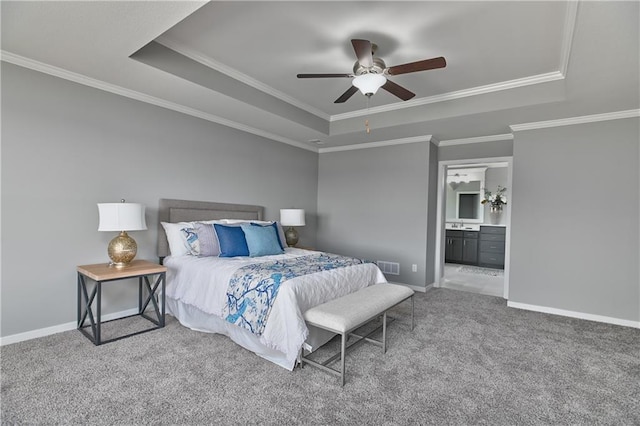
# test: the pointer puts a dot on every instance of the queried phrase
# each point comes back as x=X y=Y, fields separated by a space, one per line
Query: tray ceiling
x=236 y=62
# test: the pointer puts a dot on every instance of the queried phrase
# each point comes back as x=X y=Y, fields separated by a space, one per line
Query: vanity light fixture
x=456 y=179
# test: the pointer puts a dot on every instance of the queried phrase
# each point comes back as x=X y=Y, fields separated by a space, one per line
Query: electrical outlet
x=414 y=268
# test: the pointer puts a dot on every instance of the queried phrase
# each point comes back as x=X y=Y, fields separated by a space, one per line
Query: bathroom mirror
x=464 y=195
x=468 y=205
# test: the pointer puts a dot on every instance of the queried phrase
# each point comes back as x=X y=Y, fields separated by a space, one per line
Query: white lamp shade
x=292 y=217
x=369 y=83
x=121 y=217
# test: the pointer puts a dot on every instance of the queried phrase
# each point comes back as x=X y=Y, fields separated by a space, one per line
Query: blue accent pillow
x=232 y=241
x=262 y=240
x=275 y=228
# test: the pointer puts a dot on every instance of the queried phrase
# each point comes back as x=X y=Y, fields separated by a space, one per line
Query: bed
x=200 y=295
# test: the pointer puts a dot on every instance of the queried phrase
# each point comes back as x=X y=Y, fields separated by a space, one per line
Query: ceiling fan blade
x=399 y=91
x=363 y=52
x=346 y=95
x=324 y=75
x=425 y=65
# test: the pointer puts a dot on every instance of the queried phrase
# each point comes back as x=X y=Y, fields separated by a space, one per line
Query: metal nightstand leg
x=83 y=296
x=152 y=292
x=98 y=312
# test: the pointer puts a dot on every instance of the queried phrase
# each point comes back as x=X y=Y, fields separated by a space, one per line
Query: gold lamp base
x=291 y=235
x=122 y=249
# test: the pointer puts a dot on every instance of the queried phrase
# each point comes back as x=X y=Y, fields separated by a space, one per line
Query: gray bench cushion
x=348 y=312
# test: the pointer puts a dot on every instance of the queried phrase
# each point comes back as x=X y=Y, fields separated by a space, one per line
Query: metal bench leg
x=343 y=353
x=412 y=311
x=384 y=332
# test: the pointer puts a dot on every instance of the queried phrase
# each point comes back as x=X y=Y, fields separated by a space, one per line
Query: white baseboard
x=572 y=314
x=42 y=332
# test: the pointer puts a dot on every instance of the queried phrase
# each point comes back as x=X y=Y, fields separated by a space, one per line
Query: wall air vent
x=391 y=268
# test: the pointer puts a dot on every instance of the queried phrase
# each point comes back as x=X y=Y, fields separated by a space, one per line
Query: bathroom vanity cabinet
x=491 y=249
x=481 y=248
x=461 y=247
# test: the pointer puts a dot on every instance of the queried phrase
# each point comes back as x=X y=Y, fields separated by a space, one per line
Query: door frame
x=441 y=215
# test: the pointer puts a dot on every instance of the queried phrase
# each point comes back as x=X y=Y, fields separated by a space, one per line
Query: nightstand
x=103 y=273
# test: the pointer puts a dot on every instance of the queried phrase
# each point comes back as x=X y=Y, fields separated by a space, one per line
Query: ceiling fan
x=370 y=73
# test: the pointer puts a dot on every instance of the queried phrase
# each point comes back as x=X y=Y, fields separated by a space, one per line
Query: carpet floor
x=470 y=360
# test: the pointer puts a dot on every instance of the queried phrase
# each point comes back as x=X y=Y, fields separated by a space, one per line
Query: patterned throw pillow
x=176 y=238
x=191 y=237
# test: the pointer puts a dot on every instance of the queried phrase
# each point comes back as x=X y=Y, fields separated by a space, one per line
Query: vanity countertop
x=455 y=226
x=466 y=227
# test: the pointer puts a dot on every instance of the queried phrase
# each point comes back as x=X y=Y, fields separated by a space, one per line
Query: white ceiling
x=236 y=62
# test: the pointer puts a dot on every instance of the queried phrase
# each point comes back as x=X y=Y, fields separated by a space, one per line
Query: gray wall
x=66 y=147
x=373 y=203
x=476 y=150
x=575 y=218
x=432 y=214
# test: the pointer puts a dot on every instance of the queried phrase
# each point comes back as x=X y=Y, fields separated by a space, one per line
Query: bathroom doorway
x=473 y=241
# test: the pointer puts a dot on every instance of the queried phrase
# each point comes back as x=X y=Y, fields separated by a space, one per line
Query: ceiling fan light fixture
x=369 y=83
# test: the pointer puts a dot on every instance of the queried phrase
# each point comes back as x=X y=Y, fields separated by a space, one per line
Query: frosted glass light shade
x=121 y=217
x=369 y=83
x=292 y=217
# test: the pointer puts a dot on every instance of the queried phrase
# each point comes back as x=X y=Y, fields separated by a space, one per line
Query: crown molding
x=237 y=75
x=425 y=138
x=477 y=139
x=132 y=94
x=567 y=37
x=618 y=115
x=459 y=94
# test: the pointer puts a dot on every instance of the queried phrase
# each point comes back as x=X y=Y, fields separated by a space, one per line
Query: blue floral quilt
x=253 y=288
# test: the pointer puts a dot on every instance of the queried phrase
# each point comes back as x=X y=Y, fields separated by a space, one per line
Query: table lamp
x=291 y=218
x=121 y=217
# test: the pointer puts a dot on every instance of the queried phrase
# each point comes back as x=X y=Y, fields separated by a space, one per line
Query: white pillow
x=176 y=238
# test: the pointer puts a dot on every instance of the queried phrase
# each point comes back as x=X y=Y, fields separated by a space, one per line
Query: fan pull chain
x=366 y=120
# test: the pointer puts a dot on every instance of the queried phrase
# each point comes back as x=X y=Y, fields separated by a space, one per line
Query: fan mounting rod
x=378 y=67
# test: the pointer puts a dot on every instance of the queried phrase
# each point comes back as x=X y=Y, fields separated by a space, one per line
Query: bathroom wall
x=493 y=177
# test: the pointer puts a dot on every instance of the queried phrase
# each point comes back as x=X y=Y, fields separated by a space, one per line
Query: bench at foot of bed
x=347 y=313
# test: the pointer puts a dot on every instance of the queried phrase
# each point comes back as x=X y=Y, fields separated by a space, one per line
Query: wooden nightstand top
x=104 y=272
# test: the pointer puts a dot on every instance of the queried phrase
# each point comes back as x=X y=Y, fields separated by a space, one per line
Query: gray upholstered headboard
x=190 y=211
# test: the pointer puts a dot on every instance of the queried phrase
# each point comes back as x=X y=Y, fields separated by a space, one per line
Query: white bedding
x=192 y=283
